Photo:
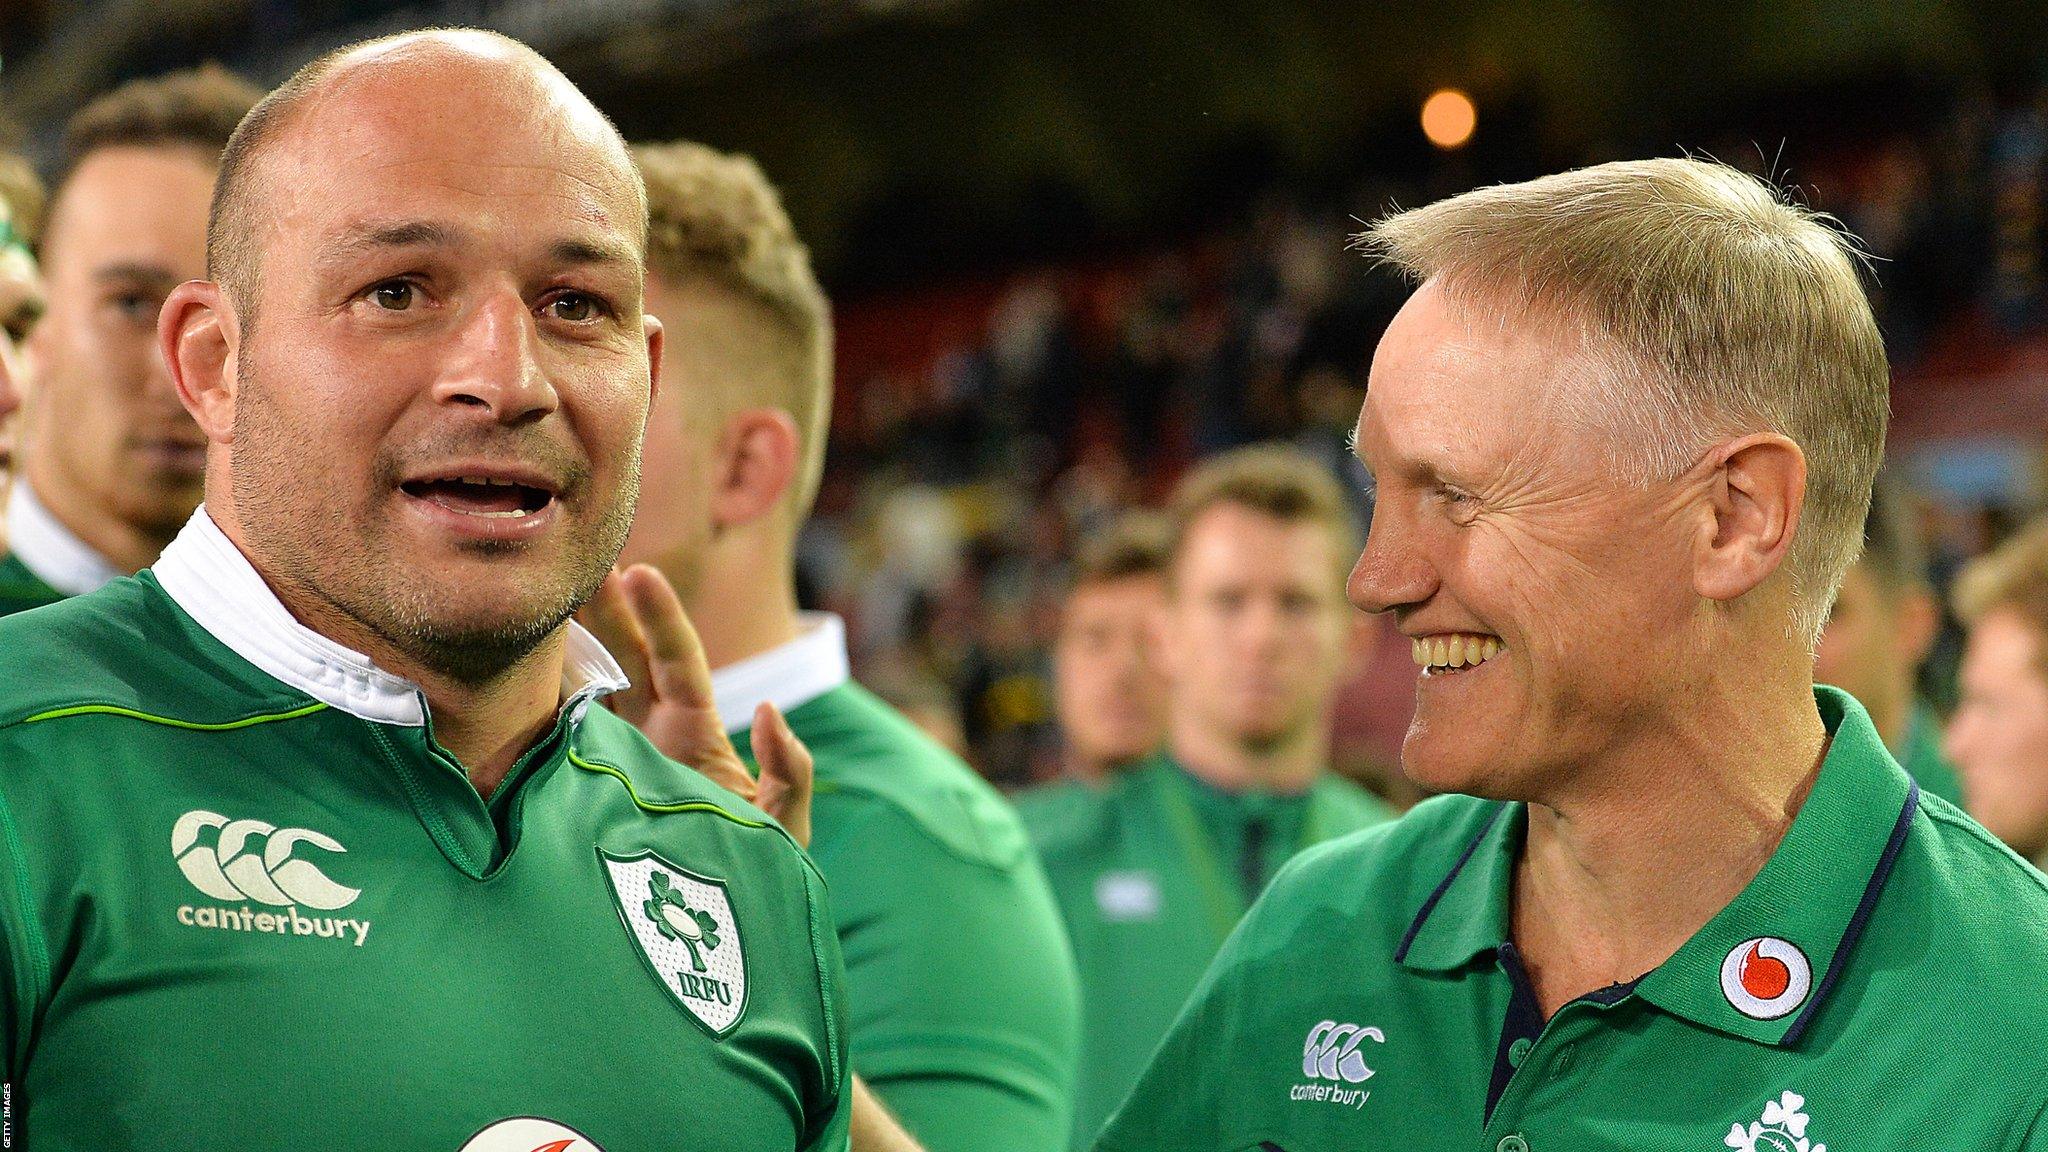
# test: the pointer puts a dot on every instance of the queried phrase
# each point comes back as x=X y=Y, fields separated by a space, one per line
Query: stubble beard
x=333 y=558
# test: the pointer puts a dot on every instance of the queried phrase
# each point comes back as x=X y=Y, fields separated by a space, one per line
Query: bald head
x=410 y=92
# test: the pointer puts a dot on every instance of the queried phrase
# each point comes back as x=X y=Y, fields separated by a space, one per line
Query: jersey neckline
x=207 y=576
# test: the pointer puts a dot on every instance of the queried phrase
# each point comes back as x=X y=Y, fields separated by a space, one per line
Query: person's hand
x=637 y=615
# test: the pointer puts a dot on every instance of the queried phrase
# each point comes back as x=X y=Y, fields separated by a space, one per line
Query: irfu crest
x=684 y=926
x=674 y=918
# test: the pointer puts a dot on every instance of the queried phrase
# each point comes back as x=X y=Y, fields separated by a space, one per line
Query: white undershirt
x=787 y=676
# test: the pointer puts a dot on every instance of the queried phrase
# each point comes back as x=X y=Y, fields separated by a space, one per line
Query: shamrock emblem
x=1782 y=1129
x=674 y=918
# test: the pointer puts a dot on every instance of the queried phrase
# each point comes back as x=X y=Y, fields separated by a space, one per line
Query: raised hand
x=637 y=615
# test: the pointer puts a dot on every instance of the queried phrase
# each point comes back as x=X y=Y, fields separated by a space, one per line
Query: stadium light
x=1448 y=118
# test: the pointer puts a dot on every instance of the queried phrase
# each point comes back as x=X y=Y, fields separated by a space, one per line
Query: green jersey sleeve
x=834 y=1134
x=962 y=989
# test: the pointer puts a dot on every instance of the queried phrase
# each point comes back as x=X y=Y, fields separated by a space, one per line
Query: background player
x=1999 y=734
x=1108 y=688
x=1154 y=870
x=963 y=1006
x=1883 y=623
x=110 y=466
x=21 y=303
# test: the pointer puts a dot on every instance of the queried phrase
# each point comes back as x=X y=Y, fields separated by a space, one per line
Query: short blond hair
x=2012 y=578
x=714 y=215
x=1714 y=307
x=1278 y=481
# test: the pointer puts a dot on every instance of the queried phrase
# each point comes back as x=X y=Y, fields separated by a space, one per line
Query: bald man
x=309 y=834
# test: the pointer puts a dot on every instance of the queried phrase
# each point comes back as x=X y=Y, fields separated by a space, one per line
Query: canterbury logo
x=1332 y=1051
x=230 y=870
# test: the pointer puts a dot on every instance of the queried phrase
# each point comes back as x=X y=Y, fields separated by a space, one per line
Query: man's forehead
x=1456 y=376
x=430 y=120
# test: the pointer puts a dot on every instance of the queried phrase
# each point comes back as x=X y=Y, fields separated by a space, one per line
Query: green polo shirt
x=21 y=589
x=1923 y=759
x=1373 y=1000
x=961 y=995
x=1152 y=871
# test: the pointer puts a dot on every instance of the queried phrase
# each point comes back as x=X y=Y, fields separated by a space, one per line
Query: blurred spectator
x=1155 y=867
x=1998 y=737
x=1110 y=694
x=1884 y=621
x=21 y=298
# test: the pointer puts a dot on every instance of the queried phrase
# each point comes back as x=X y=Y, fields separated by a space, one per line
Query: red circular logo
x=1764 y=977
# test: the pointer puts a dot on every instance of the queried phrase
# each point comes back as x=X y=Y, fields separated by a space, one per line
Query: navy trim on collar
x=1429 y=905
x=1850 y=935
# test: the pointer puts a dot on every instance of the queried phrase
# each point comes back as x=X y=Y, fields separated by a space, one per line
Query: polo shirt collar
x=51 y=552
x=788 y=675
x=215 y=584
x=1816 y=891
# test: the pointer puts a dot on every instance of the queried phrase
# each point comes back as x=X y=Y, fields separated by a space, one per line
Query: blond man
x=1999 y=735
x=1153 y=870
x=962 y=998
x=1624 y=435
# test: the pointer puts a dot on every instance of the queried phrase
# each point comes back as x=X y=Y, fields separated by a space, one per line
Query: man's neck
x=742 y=607
x=1618 y=874
x=125 y=546
x=485 y=725
x=1226 y=761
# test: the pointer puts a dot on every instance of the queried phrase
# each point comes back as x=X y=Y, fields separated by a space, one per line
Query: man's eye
x=395 y=296
x=575 y=307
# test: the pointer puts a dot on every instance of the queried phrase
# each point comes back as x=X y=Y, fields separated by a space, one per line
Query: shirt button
x=1513 y=1142
x=1519 y=1051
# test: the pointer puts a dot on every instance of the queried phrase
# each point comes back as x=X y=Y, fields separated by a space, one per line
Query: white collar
x=217 y=586
x=50 y=551
x=787 y=676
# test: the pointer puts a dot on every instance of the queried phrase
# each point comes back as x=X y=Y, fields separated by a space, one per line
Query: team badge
x=1766 y=977
x=529 y=1134
x=1782 y=1129
x=686 y=931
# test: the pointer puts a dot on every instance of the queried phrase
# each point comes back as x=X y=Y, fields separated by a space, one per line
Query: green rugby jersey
x=1152 y=871
x=21 y=589
x=48 y=562
x=247 y=901
x=1877 y=986
x=961 y=991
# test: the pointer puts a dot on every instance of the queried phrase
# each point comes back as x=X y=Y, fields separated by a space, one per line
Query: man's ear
x=1755 y=494
x=656 y=340
x=197 y=334
x=757 y=464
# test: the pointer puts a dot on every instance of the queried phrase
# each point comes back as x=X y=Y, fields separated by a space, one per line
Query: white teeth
x=486 y=482
x=1454 y=650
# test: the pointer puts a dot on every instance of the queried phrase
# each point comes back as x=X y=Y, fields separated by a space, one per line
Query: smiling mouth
x=480 y=496
x=1453 y=652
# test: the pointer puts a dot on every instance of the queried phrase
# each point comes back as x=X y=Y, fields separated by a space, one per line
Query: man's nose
x=1392 y=572
x=495 y=365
